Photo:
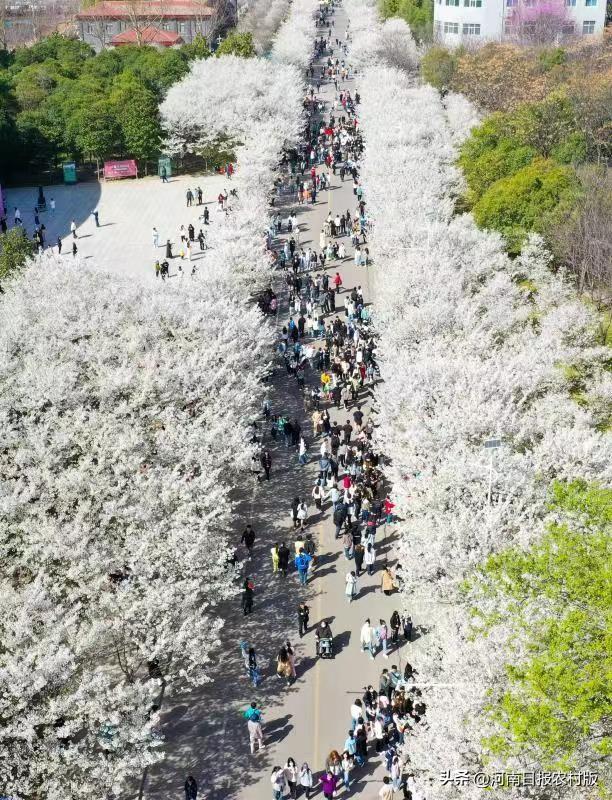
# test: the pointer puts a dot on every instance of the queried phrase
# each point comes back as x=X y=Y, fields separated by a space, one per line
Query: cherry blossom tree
x=294 y=41
x=468 y=352
x=257 y=106
x=117 y=464
x=262 y=19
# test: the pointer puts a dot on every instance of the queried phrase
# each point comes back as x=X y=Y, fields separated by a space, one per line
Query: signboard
x=164 y=163
x=120 y=169
x=70 y=173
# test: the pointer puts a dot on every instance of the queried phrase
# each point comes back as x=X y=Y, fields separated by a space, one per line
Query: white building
x=464 y=21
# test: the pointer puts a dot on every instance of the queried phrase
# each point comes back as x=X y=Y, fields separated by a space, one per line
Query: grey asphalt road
x=206 y=735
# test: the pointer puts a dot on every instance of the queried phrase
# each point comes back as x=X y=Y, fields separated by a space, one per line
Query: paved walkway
x=206 y=735
x=128 y=210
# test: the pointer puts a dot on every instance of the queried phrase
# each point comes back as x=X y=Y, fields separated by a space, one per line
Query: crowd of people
x=327 y=349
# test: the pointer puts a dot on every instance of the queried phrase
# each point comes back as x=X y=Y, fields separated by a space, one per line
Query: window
x=590 y=2
x=166 y=26
x=452 y=2
x=90 y=28
x=109 y=27
x=529 y=3
x=183 y=27
x=472 y=3
x=511 y=3
x=529 y=28
x=469 y=29
x=451 y=27
x=588 y=26
x=568 y=29
x=570 y=2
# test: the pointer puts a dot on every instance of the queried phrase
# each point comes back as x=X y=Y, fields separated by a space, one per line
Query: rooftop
x=118 y=9
x=148 y=35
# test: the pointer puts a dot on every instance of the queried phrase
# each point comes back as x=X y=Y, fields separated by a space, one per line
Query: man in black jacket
x=283 y=559
x=303 y=616
x=248 y=539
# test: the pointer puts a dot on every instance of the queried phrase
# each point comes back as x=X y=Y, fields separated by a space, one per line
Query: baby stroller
x=325 y=648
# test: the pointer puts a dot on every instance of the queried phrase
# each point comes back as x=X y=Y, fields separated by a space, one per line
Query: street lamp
x=491 y=445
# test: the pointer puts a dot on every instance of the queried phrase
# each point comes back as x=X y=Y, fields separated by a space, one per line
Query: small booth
x=164 y=163
x=70 y=172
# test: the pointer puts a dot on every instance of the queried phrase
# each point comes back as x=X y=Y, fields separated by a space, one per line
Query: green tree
x=545 y=124
x=438 y=67
x=96 y=132
x=15 y=249
x=136 y=110
x=532 y=199
x=417 y=13
x=557 y=598
x=237 y=44
x=197 y=49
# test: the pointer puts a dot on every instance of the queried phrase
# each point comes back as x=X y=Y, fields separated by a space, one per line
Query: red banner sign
x=120 y=169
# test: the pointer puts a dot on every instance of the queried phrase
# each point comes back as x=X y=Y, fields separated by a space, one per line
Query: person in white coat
x=367 y=638
x=279 y=783
x=302 y=514
x=370 y=558
x=350 y=588
x=306 y=779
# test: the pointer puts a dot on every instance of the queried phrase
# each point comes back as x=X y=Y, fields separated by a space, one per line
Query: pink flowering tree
x=540 y=21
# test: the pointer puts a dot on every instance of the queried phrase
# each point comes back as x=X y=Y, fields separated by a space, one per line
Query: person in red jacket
x=337 y=282
x=388 y=507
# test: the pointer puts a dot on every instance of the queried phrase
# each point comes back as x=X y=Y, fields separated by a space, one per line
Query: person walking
x=191 y=788
x=274 y=554
x=252 y=668
x=254 y=720
x=266 y=463
x=306 y=779
x=283 y=559
x=292 y=776
x=74 y=249
x=279 y=783
x=370 y=558
x=350 y=588
x=385 y=687
x=359 y=555
x=73 y=229
x=302 y=452
x=318 y=495
x=361 y=746
x=328 y=785
x=248 y=540
x=303 y=617
x=386 y=582
x=383 y=636
x=155 y=237
x=347 y=767
x=367 y=638
x=302 y=514
x=386 y=790
x=283 y=665
x=395 y=623
x=95 y=214
x=247 y=596
x=302 y=563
